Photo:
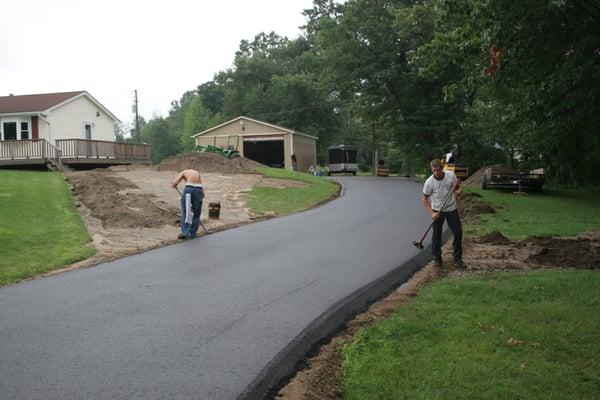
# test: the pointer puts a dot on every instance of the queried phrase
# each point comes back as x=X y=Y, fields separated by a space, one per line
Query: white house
x=67 y=128
x=55 y=116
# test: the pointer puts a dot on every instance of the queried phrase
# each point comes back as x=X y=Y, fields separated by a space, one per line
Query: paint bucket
x=214 y=210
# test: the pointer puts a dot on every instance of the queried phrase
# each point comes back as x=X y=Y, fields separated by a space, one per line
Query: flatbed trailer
x=506 y=178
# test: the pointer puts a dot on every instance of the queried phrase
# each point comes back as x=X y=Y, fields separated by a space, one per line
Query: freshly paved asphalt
x=217 y=317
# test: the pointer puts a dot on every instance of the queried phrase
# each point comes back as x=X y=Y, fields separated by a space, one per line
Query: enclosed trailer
x=342 y=159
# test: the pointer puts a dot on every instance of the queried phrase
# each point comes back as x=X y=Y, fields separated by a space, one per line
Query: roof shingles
x=33 y=102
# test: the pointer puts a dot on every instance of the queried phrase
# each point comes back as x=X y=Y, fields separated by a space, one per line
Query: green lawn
x=40 y=228
x=556 y=213
x=290 y=199
x=508 y=336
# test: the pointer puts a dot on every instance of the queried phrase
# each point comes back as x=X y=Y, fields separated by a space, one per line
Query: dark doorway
x=88 y=137
x=267 y=152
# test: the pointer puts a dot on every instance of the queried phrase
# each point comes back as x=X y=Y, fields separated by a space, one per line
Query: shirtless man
x=191 y=202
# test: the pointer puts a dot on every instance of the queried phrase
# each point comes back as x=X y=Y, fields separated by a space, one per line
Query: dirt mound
x=209 y=162
x=468 y=196
x=471 y=206
x=577 y=252
x=119 y=203
x=494 y=237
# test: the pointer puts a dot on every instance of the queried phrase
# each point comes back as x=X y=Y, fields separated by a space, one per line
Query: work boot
x=181 y=236
x=438 y=263
x=460 y=264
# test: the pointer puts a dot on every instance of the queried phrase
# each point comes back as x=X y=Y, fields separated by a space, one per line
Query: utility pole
x=137 y=121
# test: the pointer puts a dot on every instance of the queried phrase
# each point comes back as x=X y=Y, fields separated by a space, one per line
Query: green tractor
x=229 y=152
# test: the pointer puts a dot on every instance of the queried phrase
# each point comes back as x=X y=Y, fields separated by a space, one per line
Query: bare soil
x=129 y=209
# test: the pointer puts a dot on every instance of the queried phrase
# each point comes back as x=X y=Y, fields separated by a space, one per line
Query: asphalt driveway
x=220 y=317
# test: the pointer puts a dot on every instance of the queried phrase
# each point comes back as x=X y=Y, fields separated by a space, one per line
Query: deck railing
x=81 y=148
x=29 y=149
x=78 y=150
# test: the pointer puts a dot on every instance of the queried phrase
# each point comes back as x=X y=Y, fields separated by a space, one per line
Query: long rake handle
x=426 y=232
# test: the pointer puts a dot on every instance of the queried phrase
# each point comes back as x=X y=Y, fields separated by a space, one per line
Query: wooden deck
x=71 y=152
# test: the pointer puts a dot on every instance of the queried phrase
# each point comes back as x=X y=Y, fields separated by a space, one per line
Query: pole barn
x=263 y=142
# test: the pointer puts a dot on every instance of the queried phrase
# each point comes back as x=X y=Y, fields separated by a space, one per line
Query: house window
x=10 y=130
x=24 y=130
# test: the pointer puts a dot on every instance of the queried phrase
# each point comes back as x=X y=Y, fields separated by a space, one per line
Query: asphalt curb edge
x=323 y=327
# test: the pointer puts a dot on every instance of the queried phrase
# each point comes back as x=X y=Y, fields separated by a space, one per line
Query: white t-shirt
x=437 y=190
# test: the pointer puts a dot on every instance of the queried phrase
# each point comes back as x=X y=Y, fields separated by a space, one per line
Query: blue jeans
x=196 y=194
x=456 y=228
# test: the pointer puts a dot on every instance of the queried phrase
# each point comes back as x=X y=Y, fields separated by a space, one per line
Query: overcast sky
x=111 y=47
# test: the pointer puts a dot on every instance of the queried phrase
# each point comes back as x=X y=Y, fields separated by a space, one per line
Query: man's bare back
x=189 y=176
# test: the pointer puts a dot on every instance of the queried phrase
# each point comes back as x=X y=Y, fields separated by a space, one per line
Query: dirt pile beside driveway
x=472 y=206
x=209 y=162
x=118 y=202
x=133 y=208
x=494 y=237
x=575 y=252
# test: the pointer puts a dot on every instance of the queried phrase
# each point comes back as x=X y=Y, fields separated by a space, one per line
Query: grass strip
x=40 y=227
x=288 y=200
x=548 y=213
x=508 y=336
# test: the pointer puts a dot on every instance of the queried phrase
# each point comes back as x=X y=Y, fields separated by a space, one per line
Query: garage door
x=265 y=151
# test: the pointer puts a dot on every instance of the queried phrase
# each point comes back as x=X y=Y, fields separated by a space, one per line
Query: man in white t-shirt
x=437 y=188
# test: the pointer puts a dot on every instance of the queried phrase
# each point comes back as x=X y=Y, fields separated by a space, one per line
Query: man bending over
x=191 y=202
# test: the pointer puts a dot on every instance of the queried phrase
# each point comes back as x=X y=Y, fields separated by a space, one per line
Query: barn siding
x=306 y=152
x=304 y=147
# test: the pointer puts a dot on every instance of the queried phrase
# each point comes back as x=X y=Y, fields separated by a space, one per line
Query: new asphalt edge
x=285 y=363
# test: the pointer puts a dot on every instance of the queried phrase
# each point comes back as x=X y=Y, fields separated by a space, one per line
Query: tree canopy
x=509 y=82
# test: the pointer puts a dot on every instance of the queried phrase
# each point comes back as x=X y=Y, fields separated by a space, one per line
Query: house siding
x=68 y=121
x=43 y=129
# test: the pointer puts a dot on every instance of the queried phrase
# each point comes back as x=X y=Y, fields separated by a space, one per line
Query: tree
x=163 y=141
x=536 y=64
x=196 y=119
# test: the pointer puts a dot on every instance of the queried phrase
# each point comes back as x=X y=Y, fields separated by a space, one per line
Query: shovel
x=419 y=244
x=205 y=231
